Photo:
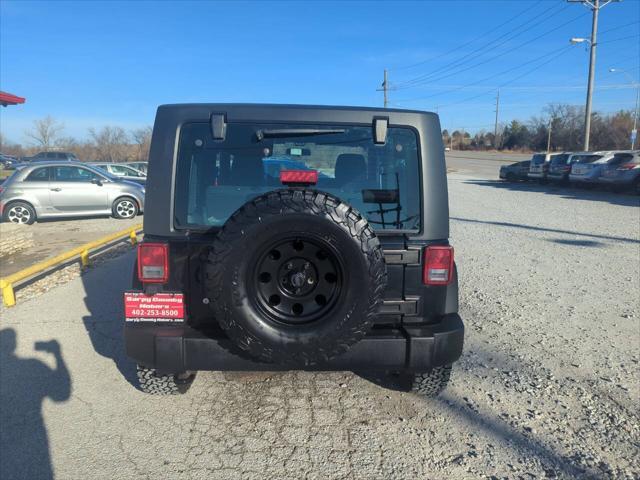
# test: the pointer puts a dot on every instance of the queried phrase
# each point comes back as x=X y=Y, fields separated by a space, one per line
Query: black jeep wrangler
x=284 y=237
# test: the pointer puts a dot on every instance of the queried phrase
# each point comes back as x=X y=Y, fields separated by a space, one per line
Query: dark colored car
x=560 y=167
x=622 y=172
x=51 y=156
x=349 y=271
x=515 y=172
x=8 y=162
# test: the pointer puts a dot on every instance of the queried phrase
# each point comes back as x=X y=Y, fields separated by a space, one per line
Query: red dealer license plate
x=160 y=307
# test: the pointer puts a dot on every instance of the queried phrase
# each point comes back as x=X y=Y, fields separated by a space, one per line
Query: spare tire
x=295 y=277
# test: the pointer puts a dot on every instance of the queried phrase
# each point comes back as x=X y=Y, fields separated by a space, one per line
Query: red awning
x=10 y=99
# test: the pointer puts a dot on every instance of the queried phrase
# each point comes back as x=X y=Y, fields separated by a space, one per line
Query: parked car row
x=619 y=170
x=56 y=189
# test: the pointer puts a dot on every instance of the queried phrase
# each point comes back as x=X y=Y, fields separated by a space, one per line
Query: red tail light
x=629 y=166
x=438 y=265
x=566 y=169
x=153 y=262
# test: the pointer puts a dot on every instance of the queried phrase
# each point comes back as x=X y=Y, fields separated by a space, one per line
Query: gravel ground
x=548 y=385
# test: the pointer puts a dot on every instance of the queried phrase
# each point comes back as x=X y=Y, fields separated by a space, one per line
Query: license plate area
x=158 y=307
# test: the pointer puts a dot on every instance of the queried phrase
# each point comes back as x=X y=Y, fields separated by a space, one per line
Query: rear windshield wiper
x=294 y=132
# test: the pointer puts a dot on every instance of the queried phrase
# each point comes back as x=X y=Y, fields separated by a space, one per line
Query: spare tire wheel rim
x=297 y=280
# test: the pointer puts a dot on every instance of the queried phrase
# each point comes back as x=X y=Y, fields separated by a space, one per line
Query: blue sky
x=94 y=63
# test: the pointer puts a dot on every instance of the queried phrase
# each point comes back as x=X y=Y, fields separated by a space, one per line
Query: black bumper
x=174 y=349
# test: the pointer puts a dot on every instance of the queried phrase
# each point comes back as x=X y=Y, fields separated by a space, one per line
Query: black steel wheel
x=295 y=277
x=298 y=280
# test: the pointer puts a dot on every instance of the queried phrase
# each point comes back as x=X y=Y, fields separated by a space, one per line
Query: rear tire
x=433 y=382
x=511 y=177
x=154 y=383
x=19 y=212
x=125 y=208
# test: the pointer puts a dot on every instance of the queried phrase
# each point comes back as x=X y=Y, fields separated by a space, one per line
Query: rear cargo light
x=153 y=262
x=438 y=265
x=299 y=177
x=629 y=166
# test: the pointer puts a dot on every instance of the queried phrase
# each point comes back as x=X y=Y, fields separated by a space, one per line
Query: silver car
x=142 y=166
x=587 y=167
x=67 y=189
x=123 y=171
x=623 y=172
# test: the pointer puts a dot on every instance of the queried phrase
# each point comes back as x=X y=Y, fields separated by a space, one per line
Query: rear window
x=559 y=159
x=586 y=158
x=215 y=178
x=620 y=158
x=538 y=159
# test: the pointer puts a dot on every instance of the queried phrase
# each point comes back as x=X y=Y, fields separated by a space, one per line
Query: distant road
x=481 y=164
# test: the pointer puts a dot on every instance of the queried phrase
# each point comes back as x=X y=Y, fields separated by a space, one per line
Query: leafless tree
x=142 y=140
x=110 y=143
x=44 y=132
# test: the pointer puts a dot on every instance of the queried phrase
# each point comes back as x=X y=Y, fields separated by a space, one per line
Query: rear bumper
x=174 y=349
x=558 y=177
x=582 y=179
x=537 y=175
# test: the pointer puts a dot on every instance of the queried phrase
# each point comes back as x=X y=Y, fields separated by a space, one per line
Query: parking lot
x=47 y=239
x=547 y=387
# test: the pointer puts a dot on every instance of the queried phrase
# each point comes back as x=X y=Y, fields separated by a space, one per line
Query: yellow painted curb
x=7 y=283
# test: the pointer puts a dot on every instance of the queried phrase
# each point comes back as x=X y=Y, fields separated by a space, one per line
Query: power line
x=561 y=50
x=490 y=45
x=618 y=39
x=406 y=67
x=494 y=57
x=619 y=27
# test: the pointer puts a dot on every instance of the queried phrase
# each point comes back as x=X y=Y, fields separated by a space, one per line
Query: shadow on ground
x=24 y=384
x=554 y=463
x=550 y=230
x=594 y=195
x=104 y=289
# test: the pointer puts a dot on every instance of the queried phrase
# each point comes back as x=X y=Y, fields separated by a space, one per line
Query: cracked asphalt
x=548 y=385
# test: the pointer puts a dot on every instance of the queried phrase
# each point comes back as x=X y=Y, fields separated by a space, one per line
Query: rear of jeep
x=294 y=238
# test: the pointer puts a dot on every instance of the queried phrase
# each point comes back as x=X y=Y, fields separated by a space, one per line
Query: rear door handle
x=55 y=189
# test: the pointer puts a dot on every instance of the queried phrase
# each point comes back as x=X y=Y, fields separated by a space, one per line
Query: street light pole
x=595 y=6
x=592 y=65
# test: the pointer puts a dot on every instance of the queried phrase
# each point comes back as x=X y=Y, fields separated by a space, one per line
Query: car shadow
x=477 y=360
x=543 y=229
x=103 y=322
x=595 y=195
x=24 y=384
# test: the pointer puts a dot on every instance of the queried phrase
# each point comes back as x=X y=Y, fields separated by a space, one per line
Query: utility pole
x=549 y=135
x=595 y=6
x=385 y=86
x=495 y=128
x=592 y=67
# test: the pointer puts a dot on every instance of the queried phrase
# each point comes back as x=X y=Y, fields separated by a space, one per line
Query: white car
x=123 y=171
